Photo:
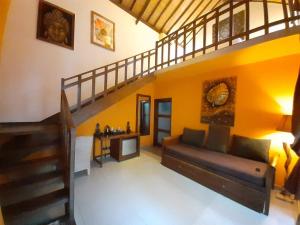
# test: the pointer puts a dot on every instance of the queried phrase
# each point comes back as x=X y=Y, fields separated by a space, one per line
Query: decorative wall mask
x=55 y=25
x=218 y=101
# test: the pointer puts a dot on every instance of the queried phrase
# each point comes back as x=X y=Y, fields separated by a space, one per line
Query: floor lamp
x=285 y=125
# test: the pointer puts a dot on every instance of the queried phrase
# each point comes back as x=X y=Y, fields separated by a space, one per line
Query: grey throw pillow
x=193 y=137
x=250 y=148
x=218 y=138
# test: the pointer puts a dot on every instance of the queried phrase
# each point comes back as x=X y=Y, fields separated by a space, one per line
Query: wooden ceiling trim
x=132 y=5
x=181 y=15
x=162 y=12
x=195 y=10
x=132 y=14
x=171 y=15
x=154 y=9
x=143 y=11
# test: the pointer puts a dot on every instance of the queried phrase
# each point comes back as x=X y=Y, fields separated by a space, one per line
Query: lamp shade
x=285 y=124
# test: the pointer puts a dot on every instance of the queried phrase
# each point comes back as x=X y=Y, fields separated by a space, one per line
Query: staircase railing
x=199 y=37
x=68 y=134
x=108 y=78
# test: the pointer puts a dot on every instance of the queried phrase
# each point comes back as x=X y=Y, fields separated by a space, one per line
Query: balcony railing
x=212 y=31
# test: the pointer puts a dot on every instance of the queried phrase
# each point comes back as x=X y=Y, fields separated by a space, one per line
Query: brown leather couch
x=245 y=181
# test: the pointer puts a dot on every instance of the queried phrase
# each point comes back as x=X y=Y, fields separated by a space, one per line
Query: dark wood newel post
x=285 y=13
x=204 y=34
x=184 y=43
x=126 y=70
x=62 y=83
x=149 y=58
x=142 y=64
x=217 y=30
x=231 y=22
x=93 y=85
x=247 y=19
x=194 y=38
x=79 y=93
x=117 y=75
x=105 y=81
x=134 y=65
x=266 y=16
x=156 y=55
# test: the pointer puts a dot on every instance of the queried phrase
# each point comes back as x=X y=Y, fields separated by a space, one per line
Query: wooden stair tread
x=29 y=163
x=55 y=144
x=28 y=129
x=15 y=210
x=31 y=180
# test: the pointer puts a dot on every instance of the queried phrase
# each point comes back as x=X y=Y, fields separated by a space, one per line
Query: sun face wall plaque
x=218 y=101
x=102 y=31
x=55 y=25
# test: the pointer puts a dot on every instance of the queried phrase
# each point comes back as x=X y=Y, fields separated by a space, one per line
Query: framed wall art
x=218 y=101
x=102 y=31
x=55 y=25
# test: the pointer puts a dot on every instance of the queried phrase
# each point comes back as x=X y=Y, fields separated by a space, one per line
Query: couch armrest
x=274 y=160
x=170 y=140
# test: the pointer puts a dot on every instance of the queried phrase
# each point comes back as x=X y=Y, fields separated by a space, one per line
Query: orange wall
x=4 y=6
x=264 y=92
x=118 y=114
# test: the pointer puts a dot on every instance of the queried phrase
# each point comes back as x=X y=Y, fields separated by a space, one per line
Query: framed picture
x=238 y=26
x=55 y=25
x=102 y=31
x=218 y=101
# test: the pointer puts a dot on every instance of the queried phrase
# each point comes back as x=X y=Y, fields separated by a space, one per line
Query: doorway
x=162 y=119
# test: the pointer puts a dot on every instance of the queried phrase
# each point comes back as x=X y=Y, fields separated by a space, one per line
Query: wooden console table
x=122 y=147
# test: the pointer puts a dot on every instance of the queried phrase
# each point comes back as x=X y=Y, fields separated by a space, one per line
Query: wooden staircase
x=32 y=177
x=37 y=159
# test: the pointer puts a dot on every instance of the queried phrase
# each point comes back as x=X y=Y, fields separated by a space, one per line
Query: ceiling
x=165 y=16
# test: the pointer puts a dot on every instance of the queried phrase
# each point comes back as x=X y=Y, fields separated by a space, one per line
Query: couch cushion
x=251 y=171
x=255 y=149
x=193 y=137
x=218 y=138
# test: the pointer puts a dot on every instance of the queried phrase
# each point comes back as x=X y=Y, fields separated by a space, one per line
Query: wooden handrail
x=68 y=137
x=194 y=33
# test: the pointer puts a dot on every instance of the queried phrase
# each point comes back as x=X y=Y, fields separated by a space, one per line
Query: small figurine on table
x=97 y=130
x=128 y=129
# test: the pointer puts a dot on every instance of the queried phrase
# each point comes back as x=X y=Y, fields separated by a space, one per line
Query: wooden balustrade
x=213 y=18
x=68 y=136
x=135 y=66
x=187 y=42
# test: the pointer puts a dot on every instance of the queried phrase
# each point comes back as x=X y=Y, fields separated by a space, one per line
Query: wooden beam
x=192 y=13
x=205 y=7
x=142 y=12
x=154 y=9
x=132 y=5
x=181 y=15
x=131 y=13
x=164 y=9
x=171 y=15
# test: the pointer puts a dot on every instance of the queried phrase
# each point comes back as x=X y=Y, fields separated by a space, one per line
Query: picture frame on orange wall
x=218 y=101
x=55 y=25
x=102 y=31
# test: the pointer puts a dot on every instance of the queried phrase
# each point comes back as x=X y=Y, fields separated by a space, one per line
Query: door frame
x=137 y=120
x=155 y=133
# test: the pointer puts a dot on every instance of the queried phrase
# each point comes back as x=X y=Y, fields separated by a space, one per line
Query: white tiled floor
x=140 y=191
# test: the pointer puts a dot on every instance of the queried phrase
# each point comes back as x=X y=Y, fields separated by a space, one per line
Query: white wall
x=30 y=70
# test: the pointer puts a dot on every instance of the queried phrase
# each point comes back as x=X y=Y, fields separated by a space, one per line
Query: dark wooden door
x=162 y=119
